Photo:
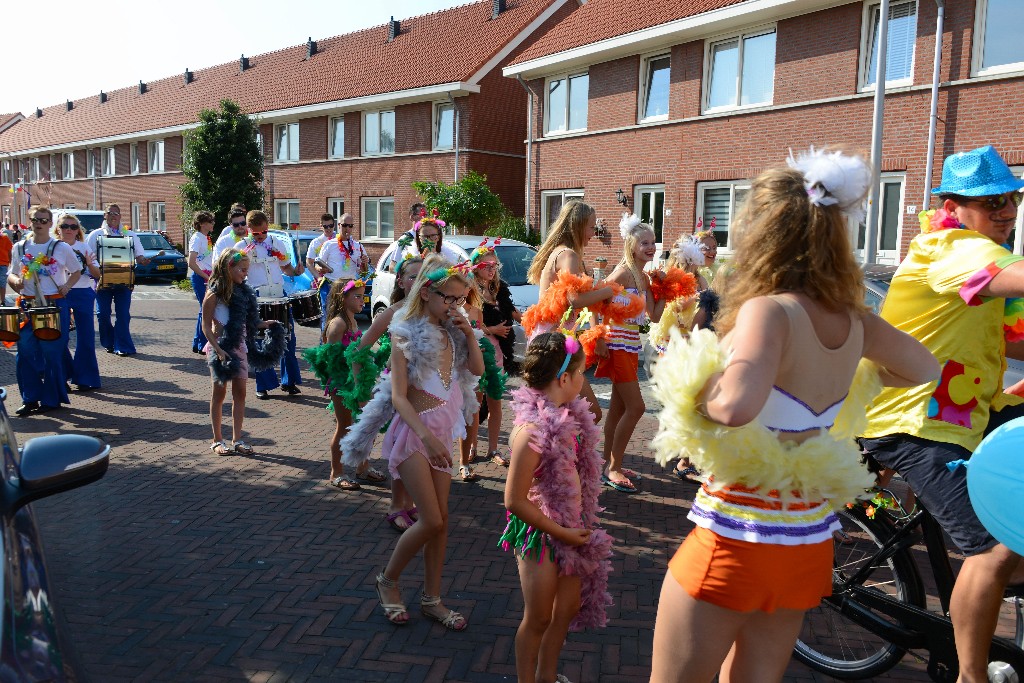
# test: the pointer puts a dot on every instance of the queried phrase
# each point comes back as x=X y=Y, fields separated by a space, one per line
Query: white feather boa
x=827 y=466
x=421 y=343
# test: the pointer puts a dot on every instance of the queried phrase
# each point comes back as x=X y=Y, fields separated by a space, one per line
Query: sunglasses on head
x=997 y=201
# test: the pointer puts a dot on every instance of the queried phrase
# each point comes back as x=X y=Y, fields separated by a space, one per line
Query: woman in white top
x=82 y=371
x=200 y=261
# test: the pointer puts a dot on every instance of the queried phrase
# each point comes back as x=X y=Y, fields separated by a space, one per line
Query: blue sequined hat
x=977 y=173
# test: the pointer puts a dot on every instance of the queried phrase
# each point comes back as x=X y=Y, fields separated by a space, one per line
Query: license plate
x=169 y=266
x=366 y=300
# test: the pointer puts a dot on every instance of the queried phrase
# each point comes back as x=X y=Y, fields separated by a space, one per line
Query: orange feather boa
x=675 y=283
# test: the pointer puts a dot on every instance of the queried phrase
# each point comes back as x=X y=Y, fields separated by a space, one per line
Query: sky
x=111 y=44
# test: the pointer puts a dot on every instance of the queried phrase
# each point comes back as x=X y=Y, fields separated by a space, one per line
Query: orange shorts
x=619 y=366
x=744 y=576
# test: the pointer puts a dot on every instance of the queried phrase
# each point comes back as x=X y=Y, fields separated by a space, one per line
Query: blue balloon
x=995 y=483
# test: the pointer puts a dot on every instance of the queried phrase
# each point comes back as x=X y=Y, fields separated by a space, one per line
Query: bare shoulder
x=568 y=260
x=620 y=276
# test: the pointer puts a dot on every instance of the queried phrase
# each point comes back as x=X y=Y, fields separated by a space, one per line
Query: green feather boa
x=492 y=384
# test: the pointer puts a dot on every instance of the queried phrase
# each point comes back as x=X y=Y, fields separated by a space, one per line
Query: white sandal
x=220 y=444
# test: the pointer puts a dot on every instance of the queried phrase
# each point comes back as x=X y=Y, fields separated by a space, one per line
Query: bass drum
x=274 y=309
x=10 y=324
x=45 y=321
x=306 y=307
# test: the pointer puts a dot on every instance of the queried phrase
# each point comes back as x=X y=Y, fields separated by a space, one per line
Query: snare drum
x=45 y=321
x=116 y=261
x=10 y=323
x=274 y=309
x=306 y=306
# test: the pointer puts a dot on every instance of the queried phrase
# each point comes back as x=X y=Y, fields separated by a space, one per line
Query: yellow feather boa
x=677 y=313
x=827 y=466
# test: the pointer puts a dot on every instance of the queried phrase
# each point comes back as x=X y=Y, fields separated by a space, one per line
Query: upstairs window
x=655 y=88
x=379 y=132
x=565 y=105
x=90 y=163
x=156 y=155
x=741 y=71
x=67 y=163
x=133 y=158
x=899 y=56
x=5 y=172
x=378 y=218
x=107 y=157
x=33 y=170
x=997 y=43
x=286 y=142
x=336 y=131
x=444 y=125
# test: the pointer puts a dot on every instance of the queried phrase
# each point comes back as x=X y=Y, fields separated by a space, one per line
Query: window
x=654 y=83
x=1016 y=245
x=379 y=132
x=741 y=70
x=899 y=56
x=565 y=108
x=717 y=206
x=379 y=218
x=286 y=212
x=67 y=162
x=107 y=157
x=33 y=170
x=157 y=216
x=286 y=142
x=336 y=207
x=5 y=172
x=136 y=216
x=133 y=159
x=444 y=125
x=337 y=135
x=52 y=174
x=649 y=202
x=997 y=46
x=551 y=203
x=155 y=149
x=90 y=164
x=890 y=221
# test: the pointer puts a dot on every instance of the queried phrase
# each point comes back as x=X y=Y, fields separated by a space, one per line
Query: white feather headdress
x=834 y=178
x=628 y=224
x=687 y=250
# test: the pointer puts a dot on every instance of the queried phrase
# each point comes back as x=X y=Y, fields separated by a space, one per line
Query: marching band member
x=329 y=225
x=229 y=238
x=341 y=258
x=200 y=262
x=82 y=371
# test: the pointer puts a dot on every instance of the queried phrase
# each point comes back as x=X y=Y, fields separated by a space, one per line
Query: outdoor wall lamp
x=621 y=197
x=600 y=231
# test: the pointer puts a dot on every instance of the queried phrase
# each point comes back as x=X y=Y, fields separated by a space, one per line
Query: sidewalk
x=183 y=566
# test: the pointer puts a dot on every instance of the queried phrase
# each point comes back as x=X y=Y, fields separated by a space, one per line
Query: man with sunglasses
x=239 y=230
x=340 y=258
x=115 y=337
x=951 y=293
x=328 y=224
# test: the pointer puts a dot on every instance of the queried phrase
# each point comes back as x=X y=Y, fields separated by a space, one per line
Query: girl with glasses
x=82 y=370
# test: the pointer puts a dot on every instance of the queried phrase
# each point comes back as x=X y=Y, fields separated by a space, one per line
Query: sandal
x=391 y=610
x=220 y=448
x=631 y=474
x=372 y=476
x=453 y=621
x=559 y=678
x=467 y=473
x=690 y=474
x=243 y=448
x=623 y=486
x=344 y=483
x=403 y=515
x=498 y=459
x=413 y=514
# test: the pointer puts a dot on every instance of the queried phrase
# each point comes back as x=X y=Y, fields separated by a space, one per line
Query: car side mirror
x=53 y=464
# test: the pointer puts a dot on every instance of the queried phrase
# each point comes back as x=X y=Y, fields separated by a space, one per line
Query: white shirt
x=89 y=257
x=227 y=240
x=264 y=267
x=314 y=247
x=342 y=266
x=204 y=255
x=53 y=276
x=105 y=231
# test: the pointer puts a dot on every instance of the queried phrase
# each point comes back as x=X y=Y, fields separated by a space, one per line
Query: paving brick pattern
x=183 y=566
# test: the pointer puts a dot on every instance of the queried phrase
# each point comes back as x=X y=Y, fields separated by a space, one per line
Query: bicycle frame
x=916 y=628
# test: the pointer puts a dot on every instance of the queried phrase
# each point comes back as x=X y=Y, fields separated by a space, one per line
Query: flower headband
x=572 y=344
x=352 y=284
x=834 y=178
x=462 y=268
x=483 y=249
x=431 y=220
x=238 y=256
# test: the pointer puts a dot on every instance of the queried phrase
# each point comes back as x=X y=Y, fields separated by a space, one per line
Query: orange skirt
x=620 y=366
x=744 y=576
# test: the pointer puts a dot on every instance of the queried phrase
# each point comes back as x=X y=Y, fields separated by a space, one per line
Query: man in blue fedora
x=952 y=292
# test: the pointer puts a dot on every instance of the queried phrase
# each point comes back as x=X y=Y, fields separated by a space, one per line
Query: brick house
x=347 y=124
x=681 y=104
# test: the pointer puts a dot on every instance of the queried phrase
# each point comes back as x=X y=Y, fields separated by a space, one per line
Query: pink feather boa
x=572 y=505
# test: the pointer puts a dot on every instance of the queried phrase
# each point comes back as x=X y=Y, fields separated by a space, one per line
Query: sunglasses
x=238 y=225
x=996 y=202
x=451 y=300
x=348 y=225
x=69 y=226
x=259 y=234
x=489 y=266
x=328 y=227
x=41 y=221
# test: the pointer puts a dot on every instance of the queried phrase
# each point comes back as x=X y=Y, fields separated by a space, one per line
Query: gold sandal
x=391 y=610
x=453 y=621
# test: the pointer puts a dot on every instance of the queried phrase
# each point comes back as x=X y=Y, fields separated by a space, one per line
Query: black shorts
x=922 y=464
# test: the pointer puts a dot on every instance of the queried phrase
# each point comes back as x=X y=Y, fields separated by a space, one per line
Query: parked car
x=36 y=644
x=515 y=258
x=171 y=263
x=90 y=220
x=877 y=279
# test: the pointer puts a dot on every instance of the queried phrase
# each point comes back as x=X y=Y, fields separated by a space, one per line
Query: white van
x=90 y=219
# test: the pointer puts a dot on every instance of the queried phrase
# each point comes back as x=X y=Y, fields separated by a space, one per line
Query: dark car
x=171 y=263
x=34 y=643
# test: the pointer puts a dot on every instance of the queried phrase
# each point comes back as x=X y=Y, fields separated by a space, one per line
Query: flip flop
x=344 y=483
x=689 y=474
x=618 y=486
x=631 y=474
x=404 y=515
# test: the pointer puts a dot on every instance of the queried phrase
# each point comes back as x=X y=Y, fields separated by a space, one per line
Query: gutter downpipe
x=934 y=116
x=529 y=146
x=871 y=229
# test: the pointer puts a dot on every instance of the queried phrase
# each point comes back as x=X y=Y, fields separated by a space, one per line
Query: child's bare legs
x=493 y=423
x=342 y=421
x=551 y=602
x=627 y=407
x=220 y=391
x=400 y=498
x=467 y=446
x=237 y=406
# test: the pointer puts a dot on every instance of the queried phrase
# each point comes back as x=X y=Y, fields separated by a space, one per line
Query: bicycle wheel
x=831 y=643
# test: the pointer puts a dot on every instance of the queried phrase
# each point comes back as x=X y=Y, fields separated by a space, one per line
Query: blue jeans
x=267 y=380
x=83 y=370
x=325 y=291
x=39 y=364
x=115 y=337
x=199 y=287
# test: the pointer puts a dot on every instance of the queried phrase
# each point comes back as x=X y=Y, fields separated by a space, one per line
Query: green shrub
x=514 y=228
x=185 y=284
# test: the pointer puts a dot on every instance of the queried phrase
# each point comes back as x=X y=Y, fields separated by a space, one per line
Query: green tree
x=467 y=203
x=222 y=163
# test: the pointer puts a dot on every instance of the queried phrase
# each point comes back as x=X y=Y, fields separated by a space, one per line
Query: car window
x=515 y=262
x=154 y=242
x=304 y=245
x=385 y=258
x=874 y=294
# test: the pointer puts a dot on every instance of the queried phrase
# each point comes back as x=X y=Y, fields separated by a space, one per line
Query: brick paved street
x=183 y=566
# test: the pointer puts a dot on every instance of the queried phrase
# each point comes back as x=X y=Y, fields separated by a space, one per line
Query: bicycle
x=877 y=611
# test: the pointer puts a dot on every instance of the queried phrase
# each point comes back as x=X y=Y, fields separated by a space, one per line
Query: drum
x=274 y=309
x=306 y=306
x=116 y=261
x=10 y=323
x=45 y=321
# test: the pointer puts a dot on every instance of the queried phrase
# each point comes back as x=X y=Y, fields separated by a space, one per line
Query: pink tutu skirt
x=446 y=422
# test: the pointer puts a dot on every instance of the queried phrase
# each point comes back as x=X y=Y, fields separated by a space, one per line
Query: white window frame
x=435 y=136
x=33 y=170
x=133 y=159
x=108 y=162
x=155 y=156
x=90 y=163
x=638 y=192
x=1018 y=235
x=290 y=129
x=567 y=77
x=978 y=48
x=332 y=135
x=6 y=175
x=373 y=235
x=378 y=114
x=53 y=168
x=283 y=209
x=887 y=256
x=157 y=216
x=67 y=162
x=645 y=84
x=740 y=37
x=136 y=216
x=545 y=219
x=734 y=185
x=336 y=207
x=865 y=47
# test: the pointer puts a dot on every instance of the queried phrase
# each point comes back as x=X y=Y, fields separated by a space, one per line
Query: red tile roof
x=442 y=47
x=602 y=19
